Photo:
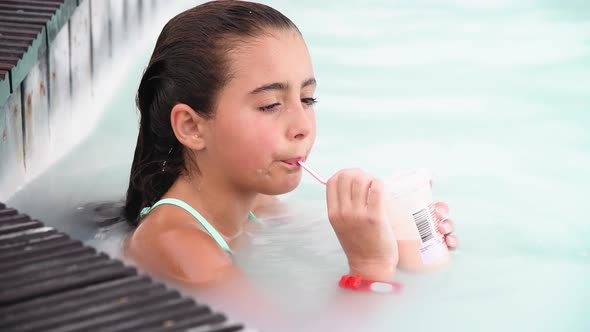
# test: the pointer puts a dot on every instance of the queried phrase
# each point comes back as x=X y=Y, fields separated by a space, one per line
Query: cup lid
x=407 y=181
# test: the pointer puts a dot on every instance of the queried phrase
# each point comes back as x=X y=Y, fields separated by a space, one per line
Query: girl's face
x=264 y=121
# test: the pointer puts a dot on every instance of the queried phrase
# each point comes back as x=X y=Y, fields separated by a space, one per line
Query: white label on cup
x=424 y=223
x=431 y=252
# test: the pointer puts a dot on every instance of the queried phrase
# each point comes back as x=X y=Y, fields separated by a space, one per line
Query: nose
x=301 y=122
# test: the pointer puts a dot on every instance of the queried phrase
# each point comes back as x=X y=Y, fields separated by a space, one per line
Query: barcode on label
x=421 y=218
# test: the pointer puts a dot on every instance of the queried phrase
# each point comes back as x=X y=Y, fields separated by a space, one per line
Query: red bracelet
x=358 y=283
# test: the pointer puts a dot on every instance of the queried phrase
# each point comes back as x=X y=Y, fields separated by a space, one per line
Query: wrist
x=372 y=270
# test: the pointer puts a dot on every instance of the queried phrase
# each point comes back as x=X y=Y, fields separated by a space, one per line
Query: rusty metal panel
x=118 y=27
x=4 y=85
x=28 y=56
x=23 y=35
x=80 y=52
x=60 y=114
x=101 y=33
x=62 y=14
x=12 y=169
x=36 y=115
x=134 y=13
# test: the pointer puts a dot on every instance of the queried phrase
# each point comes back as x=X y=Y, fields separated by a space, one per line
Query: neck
x=224 y=208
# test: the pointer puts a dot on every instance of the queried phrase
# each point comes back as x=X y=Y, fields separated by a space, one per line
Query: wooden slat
x=49 y=282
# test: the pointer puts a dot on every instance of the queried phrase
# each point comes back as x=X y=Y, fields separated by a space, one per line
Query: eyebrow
x=281 y=86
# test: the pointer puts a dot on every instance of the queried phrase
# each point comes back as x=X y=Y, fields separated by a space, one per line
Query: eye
x=309 y=101
x=269 y=108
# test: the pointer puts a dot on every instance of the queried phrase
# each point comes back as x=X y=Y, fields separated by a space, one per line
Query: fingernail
x=442 y=212
x=452 y=242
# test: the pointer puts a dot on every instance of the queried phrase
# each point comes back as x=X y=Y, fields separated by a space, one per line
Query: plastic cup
x=409 y=207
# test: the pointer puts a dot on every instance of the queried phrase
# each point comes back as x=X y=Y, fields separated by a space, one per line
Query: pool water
x=492 y=96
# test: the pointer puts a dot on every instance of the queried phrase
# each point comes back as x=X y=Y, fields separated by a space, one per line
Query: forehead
x=277 y=56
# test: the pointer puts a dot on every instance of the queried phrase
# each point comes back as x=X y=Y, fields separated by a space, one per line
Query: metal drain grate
x=26 y=29
x=49 y=282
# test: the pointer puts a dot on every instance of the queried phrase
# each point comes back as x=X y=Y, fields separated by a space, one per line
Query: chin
x=282 y=187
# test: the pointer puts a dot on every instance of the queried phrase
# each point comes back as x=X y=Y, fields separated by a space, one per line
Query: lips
x=293 y=161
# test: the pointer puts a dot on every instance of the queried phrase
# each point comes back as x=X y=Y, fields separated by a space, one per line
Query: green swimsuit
x=212 y=231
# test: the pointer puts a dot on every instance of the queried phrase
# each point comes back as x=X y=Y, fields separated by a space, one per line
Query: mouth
x=294 y=162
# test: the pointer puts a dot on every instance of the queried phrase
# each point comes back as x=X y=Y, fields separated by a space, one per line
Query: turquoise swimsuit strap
x=210 y=229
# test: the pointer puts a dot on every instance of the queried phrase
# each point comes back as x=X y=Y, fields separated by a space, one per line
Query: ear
x=188 y=126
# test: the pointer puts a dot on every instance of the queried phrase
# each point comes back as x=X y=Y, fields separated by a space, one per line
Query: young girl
x=227 y=112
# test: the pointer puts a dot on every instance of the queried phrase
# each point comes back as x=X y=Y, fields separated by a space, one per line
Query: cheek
x=256 y=147
x=267 y=136
x=264 y=143
x=313 y=128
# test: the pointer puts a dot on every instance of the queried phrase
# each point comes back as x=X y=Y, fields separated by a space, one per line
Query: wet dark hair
x=189 y=65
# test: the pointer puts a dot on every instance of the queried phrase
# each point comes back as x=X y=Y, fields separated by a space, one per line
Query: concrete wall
x=38 y=114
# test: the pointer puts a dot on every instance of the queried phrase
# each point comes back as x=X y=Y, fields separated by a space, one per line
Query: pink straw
x=312 y=172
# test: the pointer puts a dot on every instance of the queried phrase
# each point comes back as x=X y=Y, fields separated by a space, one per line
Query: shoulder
x=178 y=249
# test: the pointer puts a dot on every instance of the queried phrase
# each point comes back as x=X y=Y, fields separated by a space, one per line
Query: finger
x=441 y=210
x=446 y=227
x=360 y=190
x=452 y=242
x=375 y=196
x=356 y=187
x=332 y=197
x=344 y=187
